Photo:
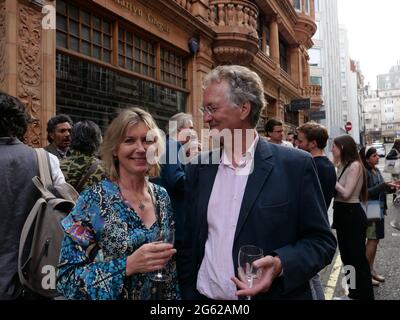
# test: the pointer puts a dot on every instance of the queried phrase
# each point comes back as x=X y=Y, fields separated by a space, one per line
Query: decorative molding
x=3 y=39
x=29 y=68
x=231 y=55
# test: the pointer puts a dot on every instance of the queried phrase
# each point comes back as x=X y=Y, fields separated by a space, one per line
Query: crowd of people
x=268 y=193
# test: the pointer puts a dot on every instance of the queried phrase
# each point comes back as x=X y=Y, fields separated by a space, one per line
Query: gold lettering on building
x=160 y=26
x=131 y=7
x=136 y=11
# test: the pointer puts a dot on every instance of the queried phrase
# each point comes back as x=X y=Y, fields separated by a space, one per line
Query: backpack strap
x=44 y=167
x=89 y=172
x=23 y=239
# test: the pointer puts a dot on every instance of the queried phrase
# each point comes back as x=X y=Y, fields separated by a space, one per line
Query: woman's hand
x=392 y=185
x=149 y=257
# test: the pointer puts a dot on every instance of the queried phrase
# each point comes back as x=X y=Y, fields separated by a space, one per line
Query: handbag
x=372 y=209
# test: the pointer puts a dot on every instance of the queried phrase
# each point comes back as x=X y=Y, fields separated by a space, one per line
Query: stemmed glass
x=164 y=236
x=247 y=255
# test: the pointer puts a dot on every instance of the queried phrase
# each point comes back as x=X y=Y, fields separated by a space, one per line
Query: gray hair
x=179 y=121
x=245 y=85
x=86 y=137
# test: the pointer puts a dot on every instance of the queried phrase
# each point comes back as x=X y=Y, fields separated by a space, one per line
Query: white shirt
x=56 y=173
x=217 y=268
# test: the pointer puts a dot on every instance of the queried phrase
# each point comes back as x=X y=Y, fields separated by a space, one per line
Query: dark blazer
x=283 y=211
x=172 y=178
x=50 y=148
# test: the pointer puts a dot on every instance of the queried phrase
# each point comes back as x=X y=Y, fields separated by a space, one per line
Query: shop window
x=82 y=31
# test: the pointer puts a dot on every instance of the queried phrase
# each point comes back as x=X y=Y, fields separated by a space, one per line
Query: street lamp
x=364 y=127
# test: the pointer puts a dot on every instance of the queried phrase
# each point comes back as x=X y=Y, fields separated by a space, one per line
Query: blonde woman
x=109 y=250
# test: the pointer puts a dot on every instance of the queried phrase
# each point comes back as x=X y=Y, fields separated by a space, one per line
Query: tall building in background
x=389 y=97
x=372 y=117
x=350 y=77
x=325 y=65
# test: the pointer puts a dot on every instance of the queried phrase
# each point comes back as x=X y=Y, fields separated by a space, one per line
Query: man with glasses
x=249 y=192
x=274 y=131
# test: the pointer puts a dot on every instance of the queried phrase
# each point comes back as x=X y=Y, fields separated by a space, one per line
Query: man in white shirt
x=250 y=192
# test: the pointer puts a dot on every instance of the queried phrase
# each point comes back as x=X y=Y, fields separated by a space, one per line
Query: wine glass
x=247 y=255
x=164 y=236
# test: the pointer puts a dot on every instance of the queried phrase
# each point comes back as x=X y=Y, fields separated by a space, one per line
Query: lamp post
x=364 y=127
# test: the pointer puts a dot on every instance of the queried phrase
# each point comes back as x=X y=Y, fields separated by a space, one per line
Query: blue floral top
x=100 y=233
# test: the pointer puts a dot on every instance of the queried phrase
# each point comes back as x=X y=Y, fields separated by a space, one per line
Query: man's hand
x=271 y=268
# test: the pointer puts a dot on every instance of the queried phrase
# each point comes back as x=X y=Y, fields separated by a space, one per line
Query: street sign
x=348 y=126
x=301 y=104
x=318 y=115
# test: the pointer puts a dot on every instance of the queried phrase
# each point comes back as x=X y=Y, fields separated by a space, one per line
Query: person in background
x=292 y=137
x=172 y=177
x=59 y=135
x=313 y=137
x=112 y=236
x=349 y=218
x=274 y=131
x=18 y=194
x=394 y=154
x=377 y=190
x=82 y=168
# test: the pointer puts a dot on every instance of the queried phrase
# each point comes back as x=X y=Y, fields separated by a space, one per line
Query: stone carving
x=230 y=55
x=29 y=68
x=2 y=44
x=205 y=48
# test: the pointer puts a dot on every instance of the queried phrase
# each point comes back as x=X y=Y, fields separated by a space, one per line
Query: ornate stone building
x=101 y=55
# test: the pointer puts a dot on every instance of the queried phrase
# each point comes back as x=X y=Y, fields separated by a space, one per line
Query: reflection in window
x=83 y=32
x=297 y=5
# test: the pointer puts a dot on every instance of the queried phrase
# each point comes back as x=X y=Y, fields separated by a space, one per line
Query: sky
x=373 y=32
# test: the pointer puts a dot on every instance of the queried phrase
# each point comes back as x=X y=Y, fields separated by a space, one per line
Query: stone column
x=295 y=65
x=27 y=62
x=202 y=64
x=200 y=9
x=48 y=73
x=274 y=39
x=8 y=46
x=312 y=9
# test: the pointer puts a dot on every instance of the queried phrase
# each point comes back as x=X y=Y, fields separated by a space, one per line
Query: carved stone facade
x=29 y=68
x=269 y=36
x=3 y=31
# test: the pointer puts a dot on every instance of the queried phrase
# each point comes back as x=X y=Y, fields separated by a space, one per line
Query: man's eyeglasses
x=207 y=109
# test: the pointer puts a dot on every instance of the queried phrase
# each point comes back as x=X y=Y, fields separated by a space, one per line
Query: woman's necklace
x=141 y=205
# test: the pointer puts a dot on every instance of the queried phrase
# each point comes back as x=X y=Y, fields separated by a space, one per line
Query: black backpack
x=42 y=234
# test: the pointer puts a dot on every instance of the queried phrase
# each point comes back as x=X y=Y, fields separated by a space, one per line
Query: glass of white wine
x=247 y=255
x=164 y=236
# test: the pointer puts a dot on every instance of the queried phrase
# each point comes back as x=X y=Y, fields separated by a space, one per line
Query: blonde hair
x=115 y=134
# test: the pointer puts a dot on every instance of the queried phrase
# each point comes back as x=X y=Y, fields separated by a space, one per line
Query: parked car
x=380 y=148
